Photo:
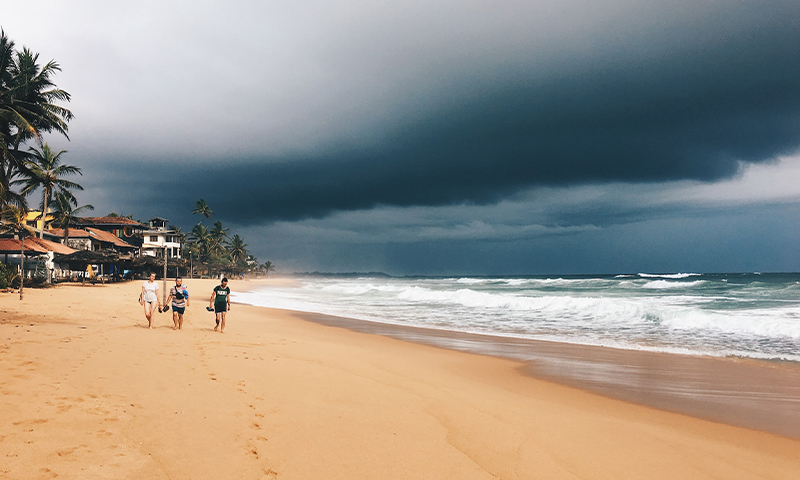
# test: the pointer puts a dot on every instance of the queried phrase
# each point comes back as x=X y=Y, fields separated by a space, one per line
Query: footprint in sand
x=47 y=473
x=68 y=451
x=270 y=473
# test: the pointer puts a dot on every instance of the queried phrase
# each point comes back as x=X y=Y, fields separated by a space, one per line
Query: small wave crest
x=672 y=276
x=779 y=322
x=664 y=284
x=471 y=281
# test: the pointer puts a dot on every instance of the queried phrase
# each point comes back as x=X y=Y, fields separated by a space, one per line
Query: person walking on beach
x=221 y=301
x=149 y=299
x=179 y=296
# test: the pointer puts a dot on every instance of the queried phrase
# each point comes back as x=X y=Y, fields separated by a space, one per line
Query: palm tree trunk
x=44 y=214
x=21 y=267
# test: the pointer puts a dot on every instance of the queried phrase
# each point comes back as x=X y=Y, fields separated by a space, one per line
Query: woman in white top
x=149 y=298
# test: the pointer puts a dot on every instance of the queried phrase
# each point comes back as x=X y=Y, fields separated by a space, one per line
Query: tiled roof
x=50 y=246
x=73 y=233
x=37 y=245
x=95 y=234
x=12 y=245
x=110 y=221
x=104 y=236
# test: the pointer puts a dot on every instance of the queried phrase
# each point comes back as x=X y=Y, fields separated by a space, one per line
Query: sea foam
x=749 y=316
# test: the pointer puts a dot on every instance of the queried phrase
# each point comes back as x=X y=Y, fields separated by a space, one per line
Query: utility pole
x=164 y=290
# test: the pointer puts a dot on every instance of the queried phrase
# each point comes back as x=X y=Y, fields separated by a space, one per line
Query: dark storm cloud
x=694 y=98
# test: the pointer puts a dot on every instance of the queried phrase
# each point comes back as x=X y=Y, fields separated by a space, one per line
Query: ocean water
x=742 y=315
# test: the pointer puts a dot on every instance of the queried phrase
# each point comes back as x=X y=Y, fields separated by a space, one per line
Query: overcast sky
x=442 y=136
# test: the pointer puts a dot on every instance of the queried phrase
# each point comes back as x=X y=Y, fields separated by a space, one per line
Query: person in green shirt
x=221 y=301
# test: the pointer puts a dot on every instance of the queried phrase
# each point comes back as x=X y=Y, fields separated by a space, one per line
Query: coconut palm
x=199 y=243
x=9 y=121
x=199 y=237
x=27 y=110
x=219 y=233
x=7 y=195
x=65 y=212
x=14 y=219
x=267 y=267
x=29 y=96
x=27 y=99
x=44 y=170
x=202 y=208
x=237 y=249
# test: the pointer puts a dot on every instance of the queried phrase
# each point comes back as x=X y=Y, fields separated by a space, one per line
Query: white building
x=158 y=236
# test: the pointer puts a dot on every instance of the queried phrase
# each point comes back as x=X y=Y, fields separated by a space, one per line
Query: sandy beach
x=89 y=392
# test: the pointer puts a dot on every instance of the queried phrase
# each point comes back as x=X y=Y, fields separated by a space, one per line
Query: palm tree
x=14 y=219
x=267 y=267
x=219 y=233
x=65 y=212
x=9 y=121
x=44 y=170
x=8 y=196
x=200 y=237
x=199 y=240
x=31 y=95
x=27 y=99
x=202 y=208
x=237 y=249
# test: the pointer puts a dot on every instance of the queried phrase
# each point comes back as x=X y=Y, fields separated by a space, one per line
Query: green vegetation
x=13 y=219
x=8 y=276
x=65 y=212
x=267 y=267
x=202 y=208
x=45 y=171
x=29 y=109
x=215 y=251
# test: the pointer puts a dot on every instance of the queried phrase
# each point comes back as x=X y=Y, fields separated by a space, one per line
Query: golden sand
x=89 y=392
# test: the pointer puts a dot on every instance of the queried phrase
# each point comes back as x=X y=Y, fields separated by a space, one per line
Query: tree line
x=216 y=250
x=31 y=105
x=29 y=108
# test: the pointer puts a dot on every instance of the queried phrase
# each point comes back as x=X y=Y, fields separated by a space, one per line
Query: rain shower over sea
x=743 y=315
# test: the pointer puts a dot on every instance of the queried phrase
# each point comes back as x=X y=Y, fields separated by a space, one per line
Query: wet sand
x=743 y=392
x=87 y=391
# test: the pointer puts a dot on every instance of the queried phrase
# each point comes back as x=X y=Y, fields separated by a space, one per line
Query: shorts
x=178 y=310
x=220 y=308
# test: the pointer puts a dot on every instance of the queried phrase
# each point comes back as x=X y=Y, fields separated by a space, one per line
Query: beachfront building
x=35 y=220
x=94 y=239
x=130 y=231
x=42 y=225
x=39 y=256
x=160 y=239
